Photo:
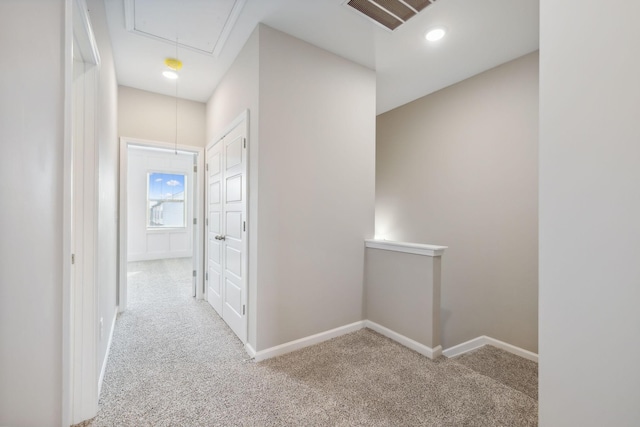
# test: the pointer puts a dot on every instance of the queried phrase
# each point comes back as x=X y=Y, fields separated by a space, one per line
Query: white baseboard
x=465 y=347
x=431 y=353
x=106 y=354
x=135 y=257
x=303 y=342
x=483 y=340
x=250 y=350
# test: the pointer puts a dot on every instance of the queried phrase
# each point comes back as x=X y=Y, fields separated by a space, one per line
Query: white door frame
x=198 y=209
x=80 y=381
x=244 y=116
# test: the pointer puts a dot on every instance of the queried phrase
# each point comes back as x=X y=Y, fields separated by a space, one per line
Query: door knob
x=220 y=237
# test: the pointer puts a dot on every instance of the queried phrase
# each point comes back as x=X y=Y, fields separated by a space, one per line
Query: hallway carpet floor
x=174 y=362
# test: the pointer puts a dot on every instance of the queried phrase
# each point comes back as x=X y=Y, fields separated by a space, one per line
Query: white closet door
x=227 y=232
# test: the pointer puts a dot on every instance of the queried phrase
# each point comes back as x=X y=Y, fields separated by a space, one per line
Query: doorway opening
x=160 y=228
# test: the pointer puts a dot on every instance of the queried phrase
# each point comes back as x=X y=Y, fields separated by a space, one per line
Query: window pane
x=165 y=200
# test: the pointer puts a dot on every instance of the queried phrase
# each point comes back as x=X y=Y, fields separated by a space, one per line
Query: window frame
x=156 y=228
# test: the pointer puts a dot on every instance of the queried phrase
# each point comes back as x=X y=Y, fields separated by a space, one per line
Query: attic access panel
x=202 y=26
x=388 y=13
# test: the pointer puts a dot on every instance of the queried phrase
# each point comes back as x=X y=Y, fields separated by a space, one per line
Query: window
x=165 y=200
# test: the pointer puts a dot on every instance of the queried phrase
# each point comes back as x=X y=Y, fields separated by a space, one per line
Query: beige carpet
x=516 y=372
x=175 y=363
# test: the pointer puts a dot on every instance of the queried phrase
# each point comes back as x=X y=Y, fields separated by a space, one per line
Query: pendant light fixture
x=174 y=65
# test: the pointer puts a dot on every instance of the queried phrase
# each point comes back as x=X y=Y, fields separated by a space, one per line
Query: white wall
x=107 y=252
x=312 y=148
x=32 y=141
x=149 y=244
x=151 y=116
x=459 y=168
x=589 y=214
x=31 y=252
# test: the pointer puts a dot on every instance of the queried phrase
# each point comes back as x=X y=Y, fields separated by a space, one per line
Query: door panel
x=233 y=297
x=234 y=152
x=233 y=226
x=215 y=223
x=214 y=164
x=233 y=261
x=215 y=285
x=214 y=193
x=234 y=189
x=214 y=215
x=227 y=235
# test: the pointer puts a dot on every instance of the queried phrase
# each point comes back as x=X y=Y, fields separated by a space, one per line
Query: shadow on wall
x=459 y=168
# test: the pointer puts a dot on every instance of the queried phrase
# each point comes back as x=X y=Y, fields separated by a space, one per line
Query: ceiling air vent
x=389 y=13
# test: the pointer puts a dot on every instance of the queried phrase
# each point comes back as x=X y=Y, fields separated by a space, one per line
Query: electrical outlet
x=101 y=326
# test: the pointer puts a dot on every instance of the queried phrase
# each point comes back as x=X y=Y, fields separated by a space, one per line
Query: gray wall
x=459 y=168
x=152 y=116
x=312 y=134
x=402 y=293
x=589 y=214
x=317 y=166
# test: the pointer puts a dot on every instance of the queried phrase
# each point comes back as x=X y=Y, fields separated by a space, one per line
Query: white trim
x=87 y=44
x=80 y=296
x=431 y=353
x=231 y=126
x=151 y=256
x=67 y=324
x=106 y=355
x=410 y=248
x=129 y=20
x=243 y=117
x=306 y=342
x=122 y=228
x=483 y=340
x=250 y=350
x=465 y=347
x=198 y=192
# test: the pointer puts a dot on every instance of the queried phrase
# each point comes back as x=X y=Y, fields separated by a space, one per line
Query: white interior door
x=227 y=232
x=214 y=227
x=81 y=379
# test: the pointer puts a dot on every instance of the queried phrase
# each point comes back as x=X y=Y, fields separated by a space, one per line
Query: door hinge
x=244 y=225
x=73 y=259
x=207 y=222
x=243 y=309
x=207 y=167
x=206 y=276
x=194 y=273
x=195 y=221
x=244 y=142
x=195 y=168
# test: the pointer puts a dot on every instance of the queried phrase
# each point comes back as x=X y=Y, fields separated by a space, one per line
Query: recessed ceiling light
x=170 y=74
x=435 y=34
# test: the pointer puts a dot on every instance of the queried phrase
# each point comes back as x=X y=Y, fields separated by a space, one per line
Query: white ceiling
x=481 y=35
x=201 y=25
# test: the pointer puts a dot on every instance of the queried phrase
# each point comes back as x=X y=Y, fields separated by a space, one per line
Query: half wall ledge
x=406 y=247
x=402 y=293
